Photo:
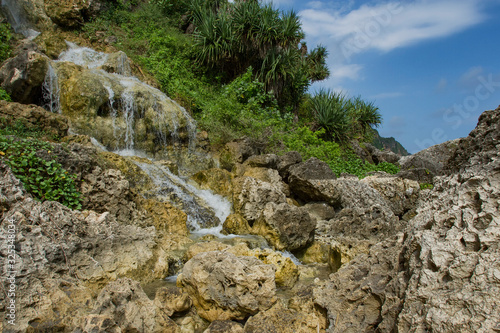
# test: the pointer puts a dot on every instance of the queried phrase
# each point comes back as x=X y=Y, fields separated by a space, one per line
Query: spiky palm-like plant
x=330 y=112
x=364 y=116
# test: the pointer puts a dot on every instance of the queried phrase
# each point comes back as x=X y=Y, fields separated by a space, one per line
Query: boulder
x=378 y=156
x=34 y=117
x=285 y=227
x=236 y=151
x=251 y=195
x=23 y=75
x=124 y=302
x=217 y=180
x=286 y=161
x=287 y=272
x=302 y=178
x=171 y=301
x=267 y=175
x=268 y=161
x=225 y=287
x=72 y=13
x=235 y=224
x=401 y=194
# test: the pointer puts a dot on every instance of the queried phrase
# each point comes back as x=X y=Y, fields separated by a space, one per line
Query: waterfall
x=17 y=17
x=130 y=103
x=51 y=92
x=205 y=210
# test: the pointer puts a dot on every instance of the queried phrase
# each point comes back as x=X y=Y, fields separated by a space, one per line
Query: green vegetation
x=45 y=179
x=243 y=71
x=4 y=96
x=426 y=186
x=5 y=37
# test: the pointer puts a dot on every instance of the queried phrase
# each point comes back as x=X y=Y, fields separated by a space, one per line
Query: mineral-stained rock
x=268 y=175
x=198 y=248
x=250 y=196
x=268 y=161
x=217 y=180
x=72 y=13
x=285 y=227
x=225 y=287
x=303 y=177
x=235 y=224
x=236 y=152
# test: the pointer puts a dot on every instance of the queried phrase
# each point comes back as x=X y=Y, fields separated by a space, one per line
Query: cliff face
x=388 y=144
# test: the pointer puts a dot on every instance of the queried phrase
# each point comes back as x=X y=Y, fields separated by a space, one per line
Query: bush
x=45 y=180
x=4 y=96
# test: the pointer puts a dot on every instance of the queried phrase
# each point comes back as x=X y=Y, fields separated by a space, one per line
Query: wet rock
x=72 y=13
x=287 y=272
x=303 y=176
x=165 y=217
x=34 y=117
x=217 y=180
x=250 y=196
x=285 y=227
x=225 y=287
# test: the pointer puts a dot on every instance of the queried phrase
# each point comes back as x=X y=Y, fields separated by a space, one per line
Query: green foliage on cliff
x=5 y=37
x=230 y=88
x=44 y=178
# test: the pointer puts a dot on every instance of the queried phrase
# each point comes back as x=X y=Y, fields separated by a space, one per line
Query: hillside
x=388 y=144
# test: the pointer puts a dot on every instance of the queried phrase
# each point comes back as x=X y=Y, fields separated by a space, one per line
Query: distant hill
x=388 y=144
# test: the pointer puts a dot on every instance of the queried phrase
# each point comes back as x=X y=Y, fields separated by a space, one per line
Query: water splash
x=83 y=56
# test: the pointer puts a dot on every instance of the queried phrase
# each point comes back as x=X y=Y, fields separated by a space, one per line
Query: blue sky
x=431 y=67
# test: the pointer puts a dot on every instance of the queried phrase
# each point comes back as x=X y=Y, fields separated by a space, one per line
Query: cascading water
x=134 y=108
x=17 y=17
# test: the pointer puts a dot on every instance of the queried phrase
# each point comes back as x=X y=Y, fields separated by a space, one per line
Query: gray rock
x=303 y=177
x=263 y=161
x=286 y=161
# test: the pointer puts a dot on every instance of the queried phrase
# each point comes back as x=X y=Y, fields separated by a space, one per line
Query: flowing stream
x=18 y=18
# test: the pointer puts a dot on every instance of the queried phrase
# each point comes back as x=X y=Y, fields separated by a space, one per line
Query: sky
x=432 y=67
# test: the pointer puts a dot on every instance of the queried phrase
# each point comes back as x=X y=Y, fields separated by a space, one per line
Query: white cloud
x=350 y=71
x=386 y=26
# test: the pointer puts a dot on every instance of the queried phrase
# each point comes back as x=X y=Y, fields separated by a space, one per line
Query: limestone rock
x=224 y=326
x=378 y=156
x=304 y=175
x=268 y=175
x=23 y=75
x=285 y=227
x=287 y=272
x=235 y=152
x=125 y=302
x=71 y=14
x=268 y=161
x=224 y=286
x=250 y=196
x=34 y=117
x=165 y=217
x=401 y=194
x=205 y=247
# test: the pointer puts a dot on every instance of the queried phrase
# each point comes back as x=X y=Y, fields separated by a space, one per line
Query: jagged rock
x=285 y=227
x=224 y=326
x=302 y=177
x=379 y=156
x=23 y=75
x=286 y=161
x=401 y=194
x=124 y=302
x=287 y=272
x=172 y=300
x=251 y=195
x=34 y=117
x=165 y=217
x=267 y=175
x=215 y=179
x=205 y=247
x=235 y=224
x=283 y=320
x=320 y=211
x=225 y=287
x=317 y=252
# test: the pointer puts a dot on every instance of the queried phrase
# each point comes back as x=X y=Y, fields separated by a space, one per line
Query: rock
x=320 y=211
x=379 y=156
x=285 y=227
x=172 y=301
x=124 y=302
x=235 y=224
x=317 y=252
x=268 y=161
x=286 y=161
x=23 y=75
x=287 y=272
x=225 y=287
x=51 y=44
x=303 y=175
x=268 y=175
x=280 y=319
x=165 y=217
x=205 y=247
x=217 y=180
x=236 y=151
x=29 y=13
x=71 y=14
x=224 y=326
x=34 y=117
x=401 y=194
x=250 y=196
